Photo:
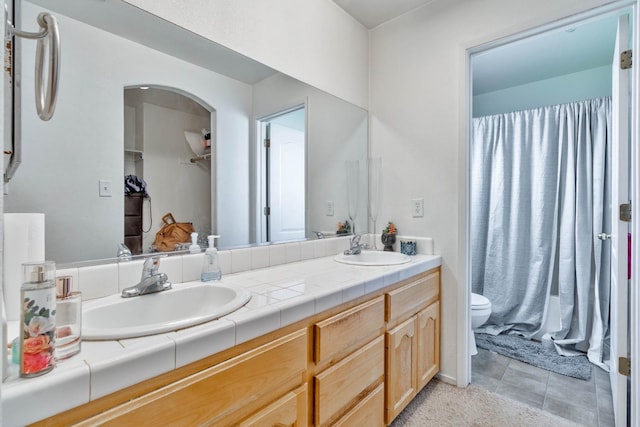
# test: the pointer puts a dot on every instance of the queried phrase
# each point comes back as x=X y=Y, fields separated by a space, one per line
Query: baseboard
x=447 y=379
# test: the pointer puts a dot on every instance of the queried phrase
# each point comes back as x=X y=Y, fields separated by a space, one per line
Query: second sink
x=373 y=258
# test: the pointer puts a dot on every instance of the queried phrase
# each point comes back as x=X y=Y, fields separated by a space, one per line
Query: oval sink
x=185 y=305
x=373 y=258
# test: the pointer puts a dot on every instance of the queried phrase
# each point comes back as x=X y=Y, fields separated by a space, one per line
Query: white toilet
x=480 y=312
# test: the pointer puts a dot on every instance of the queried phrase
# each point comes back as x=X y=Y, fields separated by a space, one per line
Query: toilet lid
x=479 y=301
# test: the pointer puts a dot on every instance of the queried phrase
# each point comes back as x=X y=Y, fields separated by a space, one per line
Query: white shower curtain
x=539 y=198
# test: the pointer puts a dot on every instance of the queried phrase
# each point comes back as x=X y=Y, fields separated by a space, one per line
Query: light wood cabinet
x=219 y=395
x=358 y=364
x=288 y=411
x=343 y=333
x=342 y=386
x=428 y=333
x=401 y=367
x=368 y=412
x=412 y=343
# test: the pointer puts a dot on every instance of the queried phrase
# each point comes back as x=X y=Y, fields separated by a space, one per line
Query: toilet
x=480 y=312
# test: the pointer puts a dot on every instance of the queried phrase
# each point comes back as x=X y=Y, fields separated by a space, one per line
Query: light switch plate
x=105 y=188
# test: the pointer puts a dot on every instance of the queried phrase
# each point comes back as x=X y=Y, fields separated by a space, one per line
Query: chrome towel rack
x=48 y=35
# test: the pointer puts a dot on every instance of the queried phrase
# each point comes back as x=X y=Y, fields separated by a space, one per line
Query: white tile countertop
x=281 y=295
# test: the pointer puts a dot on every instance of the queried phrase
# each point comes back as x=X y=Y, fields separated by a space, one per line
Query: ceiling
x=551 y=54
x=372 y=13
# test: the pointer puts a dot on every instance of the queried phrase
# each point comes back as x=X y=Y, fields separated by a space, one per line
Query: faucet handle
x=151 y=265
x=355 y=239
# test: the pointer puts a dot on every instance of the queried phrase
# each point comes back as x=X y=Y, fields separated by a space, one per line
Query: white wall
x=64 y=158
x=337 y=131
x=314 y=41
x=587 y=84
x=417 y=107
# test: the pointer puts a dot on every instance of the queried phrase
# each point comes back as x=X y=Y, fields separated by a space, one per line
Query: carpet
x=536 y=354
x=443 y=405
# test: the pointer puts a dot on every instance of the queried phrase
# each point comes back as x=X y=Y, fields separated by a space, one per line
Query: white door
x=286 y=183
x=619 y=229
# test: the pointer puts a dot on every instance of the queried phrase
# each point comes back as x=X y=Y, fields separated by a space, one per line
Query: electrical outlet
x=105 y=188
x=329 y=208
x=417 y=208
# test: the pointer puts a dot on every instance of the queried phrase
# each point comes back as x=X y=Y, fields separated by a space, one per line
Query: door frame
x=464 y=297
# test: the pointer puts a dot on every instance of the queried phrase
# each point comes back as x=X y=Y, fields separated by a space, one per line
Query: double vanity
x=319 y=342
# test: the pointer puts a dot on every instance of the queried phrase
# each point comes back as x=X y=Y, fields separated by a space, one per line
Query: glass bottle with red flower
x=38 y=319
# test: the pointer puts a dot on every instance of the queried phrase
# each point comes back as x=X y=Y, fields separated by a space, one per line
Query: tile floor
x=585 y=402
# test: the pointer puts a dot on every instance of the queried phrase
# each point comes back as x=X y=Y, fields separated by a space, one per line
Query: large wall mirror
x=131 y=87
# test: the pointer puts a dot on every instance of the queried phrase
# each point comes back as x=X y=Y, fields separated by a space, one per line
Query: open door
x=284 y=181
x=620 y=228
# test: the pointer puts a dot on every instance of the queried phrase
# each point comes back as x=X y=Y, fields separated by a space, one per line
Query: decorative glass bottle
x=37 y=319
x=68 y=319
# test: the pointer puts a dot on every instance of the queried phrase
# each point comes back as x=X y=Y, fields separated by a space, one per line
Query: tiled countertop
x=281 y=295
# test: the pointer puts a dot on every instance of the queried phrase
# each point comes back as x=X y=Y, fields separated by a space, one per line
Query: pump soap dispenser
x=211 y=267
x=194 y=248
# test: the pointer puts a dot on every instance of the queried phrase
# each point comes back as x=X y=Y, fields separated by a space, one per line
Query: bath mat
x=535 y=354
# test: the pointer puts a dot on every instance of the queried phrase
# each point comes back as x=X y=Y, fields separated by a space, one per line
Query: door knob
x=604 y=236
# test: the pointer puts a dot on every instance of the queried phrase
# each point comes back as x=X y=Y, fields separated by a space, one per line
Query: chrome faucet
x=151 y=281
x=124 y=254
x=355 y=247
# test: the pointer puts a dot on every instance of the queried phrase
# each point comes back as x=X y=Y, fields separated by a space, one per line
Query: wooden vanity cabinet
x=359 y=364
x=412 y=341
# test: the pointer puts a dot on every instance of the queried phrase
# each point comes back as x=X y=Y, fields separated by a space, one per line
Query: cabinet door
x=288 y=411
x=428 y=343
x=401 y=379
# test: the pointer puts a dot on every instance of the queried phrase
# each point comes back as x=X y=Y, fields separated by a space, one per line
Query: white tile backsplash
x=172 y=267
x=98 y=280
x=277 y=254
x=192 y=267
x=307 y=250
x=240 y=260
x=224 y=257
x=292 y=252
x=129 y=273
x=259 y=257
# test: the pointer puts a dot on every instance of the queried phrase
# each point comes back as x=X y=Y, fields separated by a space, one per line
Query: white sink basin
x=185 y=305
x=373 y=258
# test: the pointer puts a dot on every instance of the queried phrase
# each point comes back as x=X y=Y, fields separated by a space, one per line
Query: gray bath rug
x=535 y=354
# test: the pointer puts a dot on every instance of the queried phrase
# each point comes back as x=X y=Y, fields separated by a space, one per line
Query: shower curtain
x=539 y=198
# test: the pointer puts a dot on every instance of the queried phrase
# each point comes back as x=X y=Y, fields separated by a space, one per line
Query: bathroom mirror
x=110 y=46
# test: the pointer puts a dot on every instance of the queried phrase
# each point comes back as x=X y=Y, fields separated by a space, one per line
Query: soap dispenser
x=194 y=248
x=211 y=267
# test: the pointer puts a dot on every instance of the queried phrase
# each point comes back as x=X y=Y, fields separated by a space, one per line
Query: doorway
x=282 y=141
x=547 y=90
x=168 y=145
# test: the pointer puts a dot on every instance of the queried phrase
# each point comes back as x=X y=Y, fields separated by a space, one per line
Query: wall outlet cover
x=417 y=208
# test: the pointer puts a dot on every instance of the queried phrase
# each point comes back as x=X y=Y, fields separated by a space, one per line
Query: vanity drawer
x=368 y=412
x=341 y=334
x=222 y=394
x=290 y=410
x=410 y=298
x=340 y=386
